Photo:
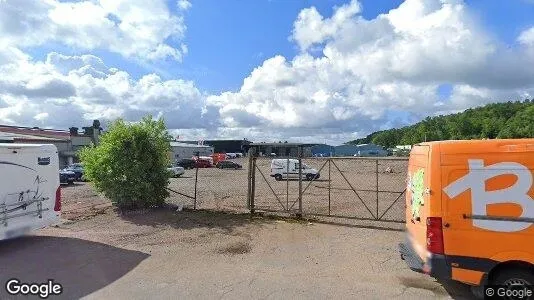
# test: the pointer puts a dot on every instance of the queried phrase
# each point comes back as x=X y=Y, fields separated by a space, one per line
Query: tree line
x=496 y=120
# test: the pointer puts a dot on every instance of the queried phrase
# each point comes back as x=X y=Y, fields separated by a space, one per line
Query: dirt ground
x=97 y=253
x=166 y=254
x=227 y=189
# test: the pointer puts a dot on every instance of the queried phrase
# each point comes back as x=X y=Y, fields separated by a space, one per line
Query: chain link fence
x=351 y=187
x=212 y=188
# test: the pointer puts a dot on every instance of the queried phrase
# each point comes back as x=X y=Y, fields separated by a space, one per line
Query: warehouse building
x=185 y=150
x=68 y=142
x=282 y=149
x=364 y=150
x=323 y=150
x=225 y=146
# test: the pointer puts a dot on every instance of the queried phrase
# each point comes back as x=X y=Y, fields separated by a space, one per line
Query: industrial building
x=323 y=150
x=185 y=150
x=68 y=142
x=225 y=146
x=282 y=149
x=370 y=150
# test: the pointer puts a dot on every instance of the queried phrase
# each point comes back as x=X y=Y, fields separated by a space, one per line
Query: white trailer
x=30 y=195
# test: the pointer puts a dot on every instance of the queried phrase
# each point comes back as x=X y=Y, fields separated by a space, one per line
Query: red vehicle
x=217 y=157
x=202 y=163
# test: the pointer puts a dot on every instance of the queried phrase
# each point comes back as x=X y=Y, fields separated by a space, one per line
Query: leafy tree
x=496 y=120
x=520 y=126
x=129 y=166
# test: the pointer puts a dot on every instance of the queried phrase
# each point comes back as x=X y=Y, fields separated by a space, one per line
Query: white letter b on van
x=516 y=194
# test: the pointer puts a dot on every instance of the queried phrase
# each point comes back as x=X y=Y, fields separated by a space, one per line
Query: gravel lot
x=164 y=254
x=97 y=253
x=227 y=189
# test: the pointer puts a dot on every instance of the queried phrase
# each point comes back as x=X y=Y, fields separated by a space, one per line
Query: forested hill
x=497 y=120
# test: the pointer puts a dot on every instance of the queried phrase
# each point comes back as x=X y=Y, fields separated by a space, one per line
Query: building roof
x=281 y=144
x=8 y=136
x=35 y=132
x=179 y=144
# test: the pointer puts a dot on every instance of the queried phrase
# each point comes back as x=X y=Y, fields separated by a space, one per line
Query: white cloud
x=527 y=37
x=371 y=69
x=131 y=28
x=311 y=28
x=184 y=4
x=369 y=74
x=63 y=91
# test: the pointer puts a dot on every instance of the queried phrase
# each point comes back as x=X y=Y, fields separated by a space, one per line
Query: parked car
x=231 y=155
x=186 y=163
x=176 y=171
x=203 y=163
x=77 y=168
x=66 y=177
x=226 y=164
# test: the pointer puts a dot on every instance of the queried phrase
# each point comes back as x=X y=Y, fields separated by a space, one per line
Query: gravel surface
x=226 y=190
x=98 y=253
x=165 y=254
x=352 y=188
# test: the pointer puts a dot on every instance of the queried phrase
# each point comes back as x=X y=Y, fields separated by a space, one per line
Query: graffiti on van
x=416 y=188
x=475 y=180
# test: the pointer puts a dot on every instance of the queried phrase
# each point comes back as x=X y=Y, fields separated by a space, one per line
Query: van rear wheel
x=310 y=177
x=514 y=276
x=277 y=177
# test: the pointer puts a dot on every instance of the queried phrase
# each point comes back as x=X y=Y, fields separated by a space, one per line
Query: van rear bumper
x=436 y=266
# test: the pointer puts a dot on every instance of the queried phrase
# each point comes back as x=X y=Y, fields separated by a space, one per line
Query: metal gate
x=361 y=188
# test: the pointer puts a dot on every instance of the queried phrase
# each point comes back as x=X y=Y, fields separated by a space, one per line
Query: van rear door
x=417 y=199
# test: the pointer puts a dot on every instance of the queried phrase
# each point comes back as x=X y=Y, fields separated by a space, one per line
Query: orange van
x=470 y=211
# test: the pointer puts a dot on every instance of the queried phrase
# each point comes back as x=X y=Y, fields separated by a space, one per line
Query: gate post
x=196 y=182
x=329 y=183
x=300 y=183
x=377 y=189
x=251 y=179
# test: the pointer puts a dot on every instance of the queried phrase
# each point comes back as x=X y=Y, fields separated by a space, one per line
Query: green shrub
x=129 y=166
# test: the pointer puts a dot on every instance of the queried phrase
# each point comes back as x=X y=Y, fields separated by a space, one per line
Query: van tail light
x=57 y=205
x=434 y=235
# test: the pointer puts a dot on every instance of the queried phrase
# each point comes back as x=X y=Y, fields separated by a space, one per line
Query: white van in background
x=289 y=168
x=30 y=196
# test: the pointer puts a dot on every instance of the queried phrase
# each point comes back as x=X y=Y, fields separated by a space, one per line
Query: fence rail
x=366 y=188
x=360 y=188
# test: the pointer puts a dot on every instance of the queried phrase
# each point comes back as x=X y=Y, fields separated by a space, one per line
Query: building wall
x=360 y=150
x=179 y=152
x=346 y=150
x=322 y=150
x=283 y=150
x=225 y=146
x=372 y=150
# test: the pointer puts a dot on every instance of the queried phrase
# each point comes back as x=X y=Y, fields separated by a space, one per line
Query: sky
x=266 y=70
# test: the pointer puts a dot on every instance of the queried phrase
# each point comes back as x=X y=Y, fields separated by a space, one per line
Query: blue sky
x=428 y=57
x=228 y=39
